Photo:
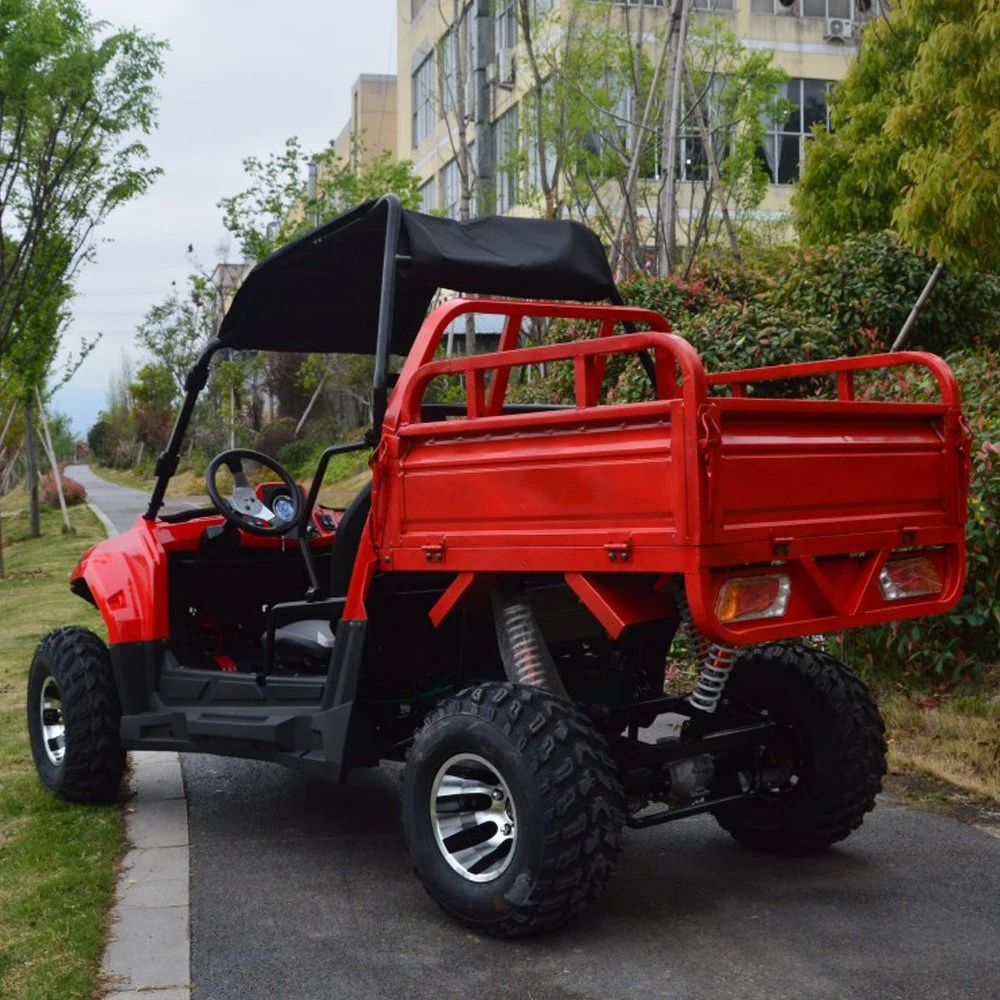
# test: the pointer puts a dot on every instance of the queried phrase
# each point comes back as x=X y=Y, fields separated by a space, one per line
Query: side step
x=281 y=729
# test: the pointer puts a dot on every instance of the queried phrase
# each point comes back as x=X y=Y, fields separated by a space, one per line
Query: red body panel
x=689 y=483
x=127 y=574
x=693 y=483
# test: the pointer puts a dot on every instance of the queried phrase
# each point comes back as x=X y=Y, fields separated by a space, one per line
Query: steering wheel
x=243 y=509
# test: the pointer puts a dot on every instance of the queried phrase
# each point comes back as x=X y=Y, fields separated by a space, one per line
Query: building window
x=713 y=5
x=451 y=190
x=505 y=24
x=428 y=196
x=423 y=99
x=449 y=60
x=507 y=160
x=804 y=8
x=784 y=144
x=826 y=8
x=693 y=161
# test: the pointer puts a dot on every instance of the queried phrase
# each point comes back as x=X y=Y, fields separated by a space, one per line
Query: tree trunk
x=308 y=409
x=668 y=194
x=713 y=165
x=904 y=334
x=638 y=137
x=31 y=460
x=56 y=475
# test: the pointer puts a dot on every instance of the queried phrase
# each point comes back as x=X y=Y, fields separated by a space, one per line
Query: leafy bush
x=73 y=492
x=844 y=300
x=299 y=457
x=273 y=436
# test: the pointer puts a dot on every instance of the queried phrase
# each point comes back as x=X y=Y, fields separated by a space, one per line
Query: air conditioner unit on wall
x=839 y=29
x=505 y=68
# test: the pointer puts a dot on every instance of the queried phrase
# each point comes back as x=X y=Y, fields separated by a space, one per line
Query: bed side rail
x=844 y=369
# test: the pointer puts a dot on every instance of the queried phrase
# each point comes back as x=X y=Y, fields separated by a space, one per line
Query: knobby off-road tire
x=71 y=674
x=556 y=794
x=838 y=745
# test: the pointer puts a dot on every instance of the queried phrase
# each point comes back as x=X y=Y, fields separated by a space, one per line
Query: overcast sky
x=241 y=76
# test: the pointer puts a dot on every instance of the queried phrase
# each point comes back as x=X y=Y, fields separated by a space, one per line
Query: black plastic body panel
x=302 y=722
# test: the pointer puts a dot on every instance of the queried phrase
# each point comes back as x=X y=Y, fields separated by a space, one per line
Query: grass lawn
x=57 y=861
x=953 y=739
x=338 y=493
x=184 y=484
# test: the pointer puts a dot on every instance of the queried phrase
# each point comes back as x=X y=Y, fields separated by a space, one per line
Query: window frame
x=422 y=98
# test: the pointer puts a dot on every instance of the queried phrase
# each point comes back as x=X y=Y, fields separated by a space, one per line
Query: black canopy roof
x=321 y=292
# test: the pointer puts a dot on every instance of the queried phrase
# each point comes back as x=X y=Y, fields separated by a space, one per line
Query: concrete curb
x=149 y=948
x=104 y=519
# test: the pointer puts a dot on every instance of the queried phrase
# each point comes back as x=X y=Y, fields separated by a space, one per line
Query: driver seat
x=312 y=638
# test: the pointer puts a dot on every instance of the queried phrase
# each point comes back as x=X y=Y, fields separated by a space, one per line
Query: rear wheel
x=73 y=717
x=512 y=809
x=822 y=778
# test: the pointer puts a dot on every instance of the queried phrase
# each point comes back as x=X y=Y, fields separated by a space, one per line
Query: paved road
x=303 y=890
x=121 y=505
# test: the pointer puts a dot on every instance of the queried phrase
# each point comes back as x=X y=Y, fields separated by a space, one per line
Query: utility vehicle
x=497 y=606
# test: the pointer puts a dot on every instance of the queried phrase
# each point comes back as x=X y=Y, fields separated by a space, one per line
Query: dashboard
x=275 y=496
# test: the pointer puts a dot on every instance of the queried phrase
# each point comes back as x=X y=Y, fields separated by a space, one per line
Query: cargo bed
x=707 y=480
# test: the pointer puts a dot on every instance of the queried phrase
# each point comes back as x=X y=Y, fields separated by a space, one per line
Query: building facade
x=372 y=120
x=480 y=68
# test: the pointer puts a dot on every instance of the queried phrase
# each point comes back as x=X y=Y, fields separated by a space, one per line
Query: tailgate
x=826 y=491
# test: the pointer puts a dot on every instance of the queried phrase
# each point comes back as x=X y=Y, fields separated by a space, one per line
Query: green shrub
x=273 y=436
x=846 y=300
x=299 y=457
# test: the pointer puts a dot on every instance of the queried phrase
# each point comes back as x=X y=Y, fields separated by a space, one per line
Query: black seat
x=312 y=638
x=347 y=540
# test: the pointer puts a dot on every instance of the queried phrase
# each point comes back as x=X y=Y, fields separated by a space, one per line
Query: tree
x=616 y=105
x=277 y=206
x=915 y=140
x=153 y=393
x=75 y=100
x=175 y=330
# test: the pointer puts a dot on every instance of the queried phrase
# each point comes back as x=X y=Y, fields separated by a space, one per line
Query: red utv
x=496 y=608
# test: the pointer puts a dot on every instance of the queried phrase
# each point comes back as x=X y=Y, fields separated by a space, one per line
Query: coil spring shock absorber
x=714 y=659
x=523 y=649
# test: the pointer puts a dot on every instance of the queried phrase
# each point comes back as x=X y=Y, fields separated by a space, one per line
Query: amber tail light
x=744 y=598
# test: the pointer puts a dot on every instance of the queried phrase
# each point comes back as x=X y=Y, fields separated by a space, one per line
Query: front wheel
x=822 y=778
x=512 y=809
x=73 y=717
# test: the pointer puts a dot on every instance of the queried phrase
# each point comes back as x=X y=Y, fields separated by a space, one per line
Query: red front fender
x=127 y=580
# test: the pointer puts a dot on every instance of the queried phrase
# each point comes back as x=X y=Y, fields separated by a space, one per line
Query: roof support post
x=166 y=464
x=387 y=301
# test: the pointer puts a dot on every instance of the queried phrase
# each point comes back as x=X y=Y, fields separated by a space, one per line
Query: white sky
x=241 y=76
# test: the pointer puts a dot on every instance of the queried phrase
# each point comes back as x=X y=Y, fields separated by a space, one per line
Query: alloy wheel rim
x=53 y=726
x=473 y=818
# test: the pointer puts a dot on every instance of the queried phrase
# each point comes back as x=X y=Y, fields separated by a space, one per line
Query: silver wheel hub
x=473 y=817
x=53 y=727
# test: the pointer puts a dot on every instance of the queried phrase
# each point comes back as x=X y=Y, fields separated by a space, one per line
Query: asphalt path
x=120 y=504
x=301 y=890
